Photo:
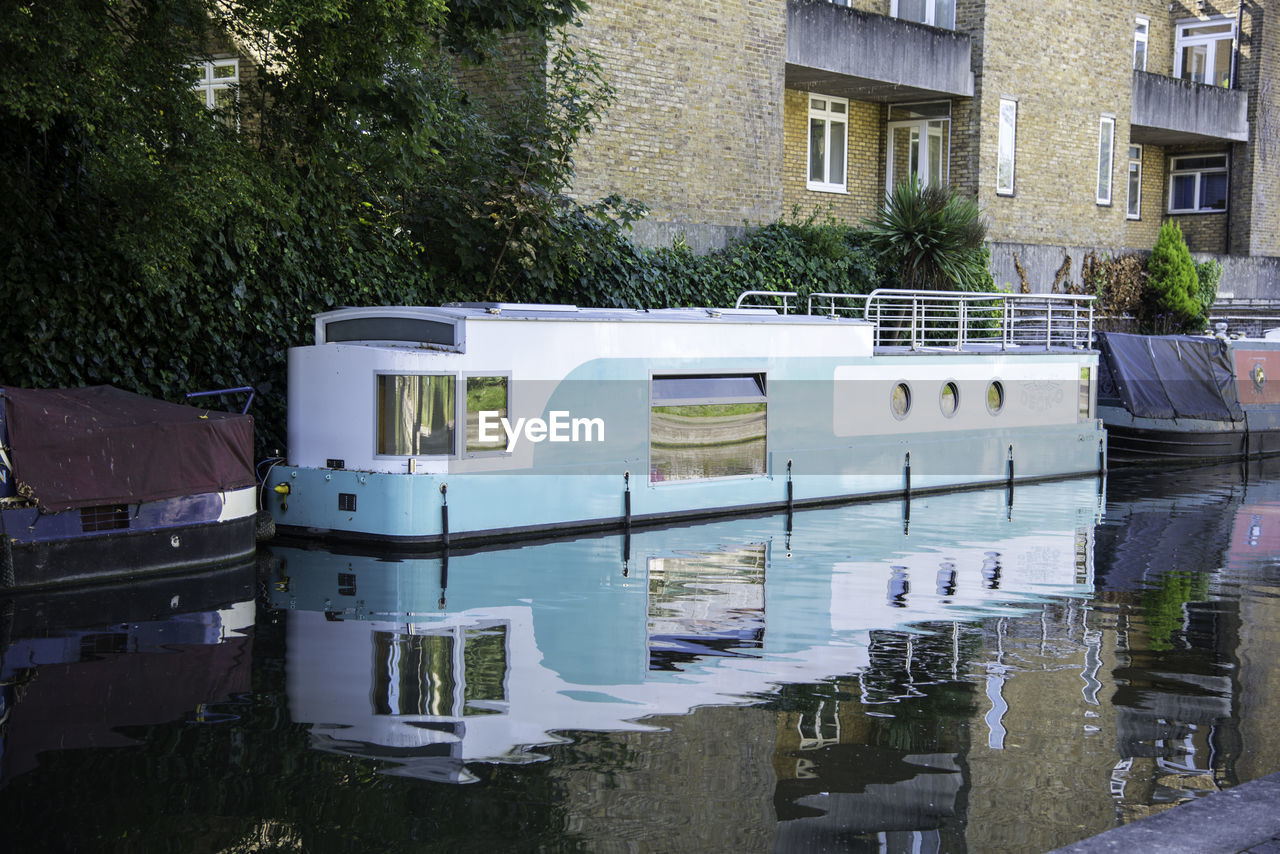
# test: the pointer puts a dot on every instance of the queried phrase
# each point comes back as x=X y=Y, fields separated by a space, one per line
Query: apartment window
x=1133 y=204
x=1203 y=50
x=1141 y=34
x=706 y=425
x=1106 y=150
x=415 y=414
x=1006 y=146
x=935 y=13
x=828 y=143
x=919 y=144
x=216 y=87
x=1198 y=183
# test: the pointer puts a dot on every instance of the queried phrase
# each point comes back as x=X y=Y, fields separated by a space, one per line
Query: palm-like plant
x=932 y=238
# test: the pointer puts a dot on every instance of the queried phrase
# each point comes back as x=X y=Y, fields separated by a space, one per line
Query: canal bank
x=1240 y=820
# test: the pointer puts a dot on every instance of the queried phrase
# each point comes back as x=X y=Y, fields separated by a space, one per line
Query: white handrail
x=786 y=307
x=958 y=320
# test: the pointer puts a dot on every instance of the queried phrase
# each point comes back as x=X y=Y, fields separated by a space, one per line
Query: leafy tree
x=1173 y=289
x=1209 y=273
x=933 y=237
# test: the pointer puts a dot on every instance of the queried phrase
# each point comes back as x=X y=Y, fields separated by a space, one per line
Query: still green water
x=972 y=672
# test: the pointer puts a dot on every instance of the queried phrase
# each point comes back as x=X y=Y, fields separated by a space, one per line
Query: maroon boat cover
x=82 y=447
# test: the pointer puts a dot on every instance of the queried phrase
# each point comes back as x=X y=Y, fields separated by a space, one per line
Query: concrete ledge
x=1242 y=819
x=1168 y=111
x=700 y=237
x=846 y=52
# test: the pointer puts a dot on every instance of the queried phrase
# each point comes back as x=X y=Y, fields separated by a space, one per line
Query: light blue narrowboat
x=422 y=427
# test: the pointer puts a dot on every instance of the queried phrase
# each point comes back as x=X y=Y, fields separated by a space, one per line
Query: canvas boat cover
x=1170 y=376
x=92 y=446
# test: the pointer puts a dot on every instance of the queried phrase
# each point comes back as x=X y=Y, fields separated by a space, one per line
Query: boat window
x=416 y=414
x=1086 y=411
x=949 y=399
x=995 y=397
x=707 y=426
x=900 y=401
x=486 y=404
x=408 y=329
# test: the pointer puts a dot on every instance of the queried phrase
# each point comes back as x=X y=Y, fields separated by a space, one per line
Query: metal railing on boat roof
x=956 y=320
x=959 y=320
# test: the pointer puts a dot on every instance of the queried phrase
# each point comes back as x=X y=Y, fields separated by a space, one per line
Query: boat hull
x=48 y=550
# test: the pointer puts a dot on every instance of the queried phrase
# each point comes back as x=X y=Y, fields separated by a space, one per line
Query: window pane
x=1106 y=130
x=705 y=441
x=1211 y=161
x=487 y=395
x=1140 y=56
x=415 y=415
x=1135 y=189
x=817 y=150
x=911 y=10
x=708 y=389
x=223 y=71
x=1008 y=131
x=835 y=174
x=930 y=110
x=1183 y=193
x=1207 y=29
x=1195 y=62
x=1222 y=63
x=944 y=14
x=838 y=107
x=1213 y=191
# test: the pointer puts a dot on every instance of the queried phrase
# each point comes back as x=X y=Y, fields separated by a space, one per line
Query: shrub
x=1173 y=289
x=1209 y=273
x=934 y=238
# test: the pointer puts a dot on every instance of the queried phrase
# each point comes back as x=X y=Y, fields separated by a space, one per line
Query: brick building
x=1077 y=126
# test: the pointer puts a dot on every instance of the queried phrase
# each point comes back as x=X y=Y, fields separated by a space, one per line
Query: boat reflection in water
x=78 y=666
x=435 y=663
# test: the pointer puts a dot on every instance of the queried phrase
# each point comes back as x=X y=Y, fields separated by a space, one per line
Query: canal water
x=982 y=671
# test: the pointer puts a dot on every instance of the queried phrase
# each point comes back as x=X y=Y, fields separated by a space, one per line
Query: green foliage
x=1208 y=274
x=933 y=237
x=1173 y=289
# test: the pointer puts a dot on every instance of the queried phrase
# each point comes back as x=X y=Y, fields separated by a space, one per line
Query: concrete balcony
x=1169 y=111
x=864 y=57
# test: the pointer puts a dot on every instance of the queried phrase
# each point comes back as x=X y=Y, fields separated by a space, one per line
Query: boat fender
x=444 y=514
x=626 y=501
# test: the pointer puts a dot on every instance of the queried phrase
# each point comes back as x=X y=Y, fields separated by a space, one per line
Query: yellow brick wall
x=1065 y=76
x=1141 y=233
x=696 y=130
x=865 y=170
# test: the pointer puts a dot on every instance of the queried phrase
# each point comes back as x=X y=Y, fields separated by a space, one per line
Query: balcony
x=865 y=57
x=1169 y=111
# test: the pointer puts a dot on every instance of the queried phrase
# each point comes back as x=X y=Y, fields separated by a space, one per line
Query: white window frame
x=1006 y=146
x=927 y=138
x=1141 y=36
x=210 y=83
x=1106 y=158
x=827 y=117
x=930 y=15
x=1174 y=172
x=1181 y=41
x=1133 y=204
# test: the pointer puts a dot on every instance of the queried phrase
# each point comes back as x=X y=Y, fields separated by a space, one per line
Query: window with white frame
x=828 y=143
x=1006 y=146
x=935 y=13
x=1203 y=50
x=1106 y=152
x=1198 y=183
x=1133 y=204
x=1141 y=36
x=216 y=87
x=919 y=144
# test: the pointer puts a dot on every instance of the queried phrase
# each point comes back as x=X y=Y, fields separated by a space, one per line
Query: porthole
x=900 y=401
x=949 y=399
x=995 y=397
